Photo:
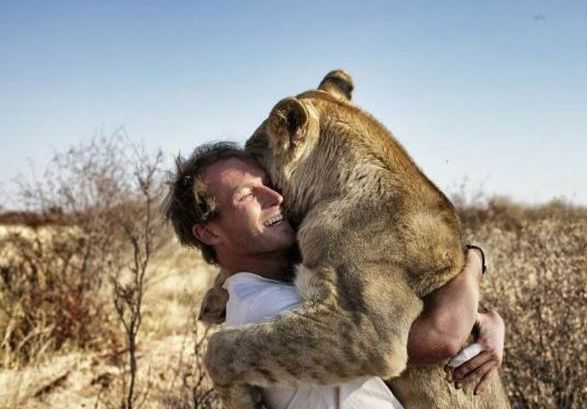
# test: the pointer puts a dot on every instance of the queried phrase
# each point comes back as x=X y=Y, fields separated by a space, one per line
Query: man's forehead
x=234 y=166
x=231 y=172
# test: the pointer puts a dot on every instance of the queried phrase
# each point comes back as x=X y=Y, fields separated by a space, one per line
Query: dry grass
x=539 y=284
x=93 y=377
x=51 y=294
x=85 y=270
x=537 y=280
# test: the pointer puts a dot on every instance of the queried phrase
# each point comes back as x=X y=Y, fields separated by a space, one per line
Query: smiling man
x=221 y=201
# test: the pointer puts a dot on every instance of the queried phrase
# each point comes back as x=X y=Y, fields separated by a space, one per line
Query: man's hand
x=483 y=367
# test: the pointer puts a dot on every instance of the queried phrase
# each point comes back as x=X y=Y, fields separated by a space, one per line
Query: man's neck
x=276 y=266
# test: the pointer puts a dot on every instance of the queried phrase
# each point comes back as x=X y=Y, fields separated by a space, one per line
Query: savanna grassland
x=98 y=300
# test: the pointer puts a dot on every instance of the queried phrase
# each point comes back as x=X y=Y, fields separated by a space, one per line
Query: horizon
x=489 y=95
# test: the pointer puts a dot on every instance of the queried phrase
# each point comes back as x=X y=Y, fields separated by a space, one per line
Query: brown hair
x=188 y=201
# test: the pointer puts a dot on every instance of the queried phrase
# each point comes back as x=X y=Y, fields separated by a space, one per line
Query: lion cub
x=375 y=235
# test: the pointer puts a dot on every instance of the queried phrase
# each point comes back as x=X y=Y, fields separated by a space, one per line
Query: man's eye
x=246 y=195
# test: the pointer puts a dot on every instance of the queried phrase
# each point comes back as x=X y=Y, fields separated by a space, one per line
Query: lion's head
x=285 y=141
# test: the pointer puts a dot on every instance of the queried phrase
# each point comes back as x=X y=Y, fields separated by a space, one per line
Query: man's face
x=249 y=220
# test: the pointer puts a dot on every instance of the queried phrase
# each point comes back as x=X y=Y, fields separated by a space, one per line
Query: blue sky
x=491 y=93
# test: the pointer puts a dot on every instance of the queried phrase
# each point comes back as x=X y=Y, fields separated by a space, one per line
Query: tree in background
x=140 y=231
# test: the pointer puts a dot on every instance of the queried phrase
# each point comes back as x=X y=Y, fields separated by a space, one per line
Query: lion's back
x=380 y=184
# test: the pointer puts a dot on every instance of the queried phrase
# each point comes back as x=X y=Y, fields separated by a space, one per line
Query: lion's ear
x=339 y=83
x=287 y=122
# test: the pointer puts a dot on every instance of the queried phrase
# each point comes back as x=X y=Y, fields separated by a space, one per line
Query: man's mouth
x=274 y=221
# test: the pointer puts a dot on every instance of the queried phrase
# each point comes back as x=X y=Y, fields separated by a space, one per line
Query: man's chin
x=282 y=240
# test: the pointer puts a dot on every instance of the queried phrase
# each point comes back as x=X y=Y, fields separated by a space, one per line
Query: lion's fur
x=213 y=307
x=375 y=236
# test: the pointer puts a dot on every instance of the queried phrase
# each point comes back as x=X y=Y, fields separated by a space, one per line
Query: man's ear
x=287 y=122
x=205 y=234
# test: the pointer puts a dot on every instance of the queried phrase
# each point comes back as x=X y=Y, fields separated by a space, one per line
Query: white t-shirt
x=253 y=298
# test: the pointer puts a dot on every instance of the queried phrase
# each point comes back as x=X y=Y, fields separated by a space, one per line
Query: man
x=221 y=201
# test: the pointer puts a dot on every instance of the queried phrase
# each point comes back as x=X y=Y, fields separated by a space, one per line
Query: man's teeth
x=273 y=221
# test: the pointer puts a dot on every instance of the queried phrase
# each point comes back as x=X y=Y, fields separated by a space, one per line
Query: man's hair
x=188 y=201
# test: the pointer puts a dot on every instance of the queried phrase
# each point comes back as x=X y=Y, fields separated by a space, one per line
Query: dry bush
x=52 y=276
x=85 y=238
x=539 y=284
x=46 y=303
x=140 y=231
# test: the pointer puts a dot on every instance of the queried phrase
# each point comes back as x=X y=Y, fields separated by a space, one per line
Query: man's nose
x=270 y=197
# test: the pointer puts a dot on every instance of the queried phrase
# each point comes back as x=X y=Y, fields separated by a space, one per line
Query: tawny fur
x=213 y=307
x=375 y=236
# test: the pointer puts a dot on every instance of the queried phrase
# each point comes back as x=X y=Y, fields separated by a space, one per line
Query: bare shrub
x=89 y=204
x=140 y=232
x=45 y=303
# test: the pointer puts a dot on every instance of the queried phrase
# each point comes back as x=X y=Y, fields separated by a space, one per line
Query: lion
x=375 y=236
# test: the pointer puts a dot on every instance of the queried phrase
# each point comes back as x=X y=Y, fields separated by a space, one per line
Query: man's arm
x=448 y=317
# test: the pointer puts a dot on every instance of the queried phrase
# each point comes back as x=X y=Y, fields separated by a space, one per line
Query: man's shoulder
x=253 y=298
x=248 y=286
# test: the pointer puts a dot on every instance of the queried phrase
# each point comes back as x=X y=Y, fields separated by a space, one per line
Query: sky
x=491 y=96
